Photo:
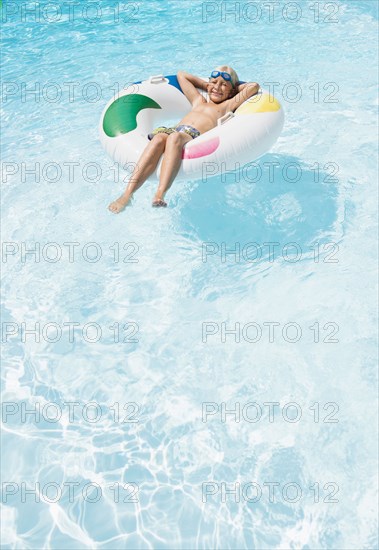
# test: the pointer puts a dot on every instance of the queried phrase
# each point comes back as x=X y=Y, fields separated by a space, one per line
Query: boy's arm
x=244 y=92
x=188 y=83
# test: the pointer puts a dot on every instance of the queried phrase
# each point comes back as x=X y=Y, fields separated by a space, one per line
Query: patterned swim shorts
x=185 y=128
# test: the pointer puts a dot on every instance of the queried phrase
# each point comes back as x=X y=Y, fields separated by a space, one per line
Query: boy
x=224 y=94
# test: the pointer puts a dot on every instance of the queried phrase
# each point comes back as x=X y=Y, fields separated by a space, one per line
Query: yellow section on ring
x=264 y=103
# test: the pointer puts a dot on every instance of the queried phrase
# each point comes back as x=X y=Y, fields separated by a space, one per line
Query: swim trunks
x=184 y=128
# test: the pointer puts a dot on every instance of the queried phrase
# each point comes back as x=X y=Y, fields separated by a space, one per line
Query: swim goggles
x=225 y=76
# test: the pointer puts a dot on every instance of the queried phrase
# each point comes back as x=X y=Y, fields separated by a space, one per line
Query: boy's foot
x=157 y=203
x=118 y=205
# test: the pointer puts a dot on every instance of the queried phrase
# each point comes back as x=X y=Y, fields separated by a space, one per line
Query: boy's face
x=219 y=89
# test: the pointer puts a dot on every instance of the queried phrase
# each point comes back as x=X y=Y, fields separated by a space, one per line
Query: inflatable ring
x=239 y=137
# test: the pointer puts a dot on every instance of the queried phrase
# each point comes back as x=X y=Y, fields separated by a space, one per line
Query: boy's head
x=222 y=83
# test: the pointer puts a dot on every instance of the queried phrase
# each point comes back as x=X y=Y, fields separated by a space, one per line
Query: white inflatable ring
x=239 y=137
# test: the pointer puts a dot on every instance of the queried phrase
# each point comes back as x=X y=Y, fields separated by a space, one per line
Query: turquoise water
x=131 y=369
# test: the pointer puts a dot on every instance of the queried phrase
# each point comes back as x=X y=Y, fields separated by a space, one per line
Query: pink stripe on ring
x=201 y=149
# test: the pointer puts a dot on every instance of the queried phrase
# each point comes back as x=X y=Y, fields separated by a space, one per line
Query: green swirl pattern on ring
x=121 y=116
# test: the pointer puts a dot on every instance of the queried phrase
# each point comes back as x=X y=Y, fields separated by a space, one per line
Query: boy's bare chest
x=212 y=109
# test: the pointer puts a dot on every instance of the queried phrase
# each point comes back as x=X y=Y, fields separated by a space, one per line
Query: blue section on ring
x=172 y=79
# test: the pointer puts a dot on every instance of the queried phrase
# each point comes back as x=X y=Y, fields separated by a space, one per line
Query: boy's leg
x=146 y=165
x=170 y=165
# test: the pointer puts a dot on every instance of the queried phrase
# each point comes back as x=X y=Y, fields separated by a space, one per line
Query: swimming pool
x=203 y=376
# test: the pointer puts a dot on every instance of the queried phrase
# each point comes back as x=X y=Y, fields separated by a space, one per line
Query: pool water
x=253 y=292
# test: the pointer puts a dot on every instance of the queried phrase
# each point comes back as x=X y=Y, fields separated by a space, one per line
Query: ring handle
x=157 y=79
x=225 y=118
